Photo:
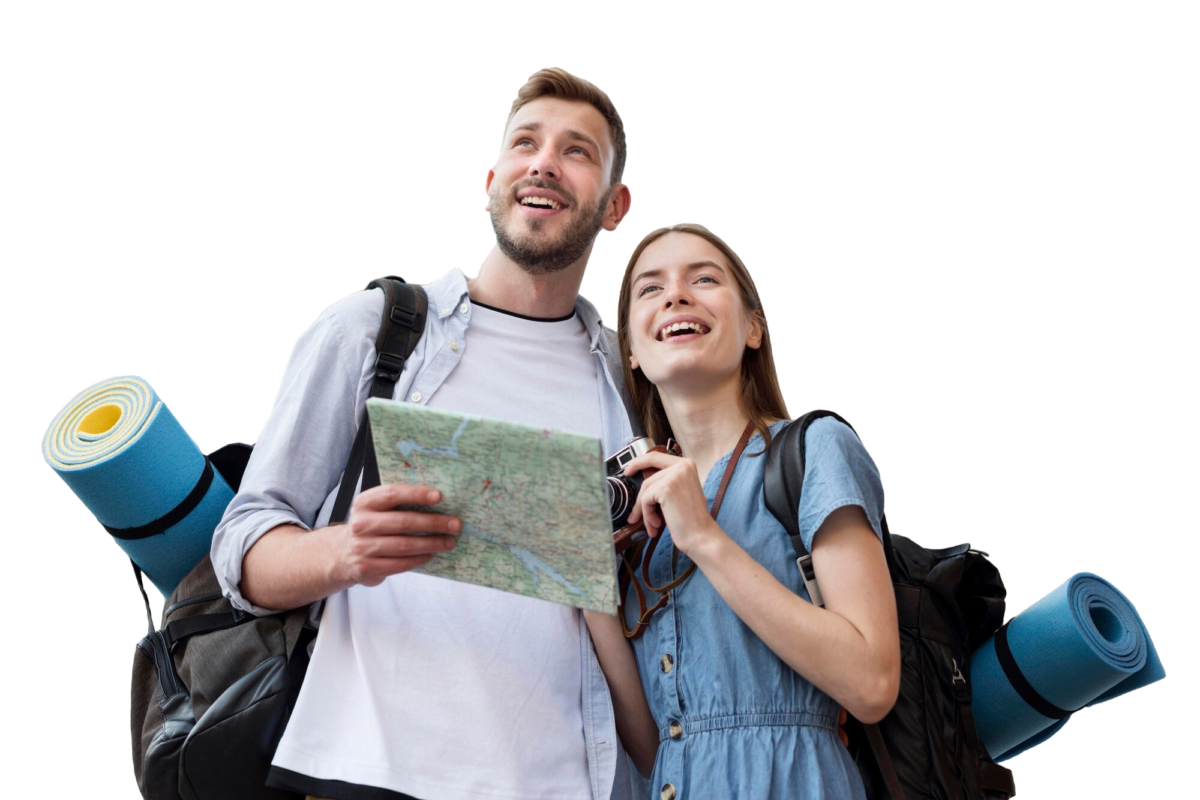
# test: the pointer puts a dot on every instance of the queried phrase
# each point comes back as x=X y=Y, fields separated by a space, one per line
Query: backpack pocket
x=228 y=752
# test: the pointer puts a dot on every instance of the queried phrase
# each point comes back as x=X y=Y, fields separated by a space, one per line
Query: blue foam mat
x=1080 y=645
x=132 y=467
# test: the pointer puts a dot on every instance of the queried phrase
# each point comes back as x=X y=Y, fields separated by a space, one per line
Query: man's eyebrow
x=534 y=127
x=695 y=265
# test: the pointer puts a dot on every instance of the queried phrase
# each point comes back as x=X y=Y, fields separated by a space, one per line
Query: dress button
x=415 y=397
x=454 y=344
x=665 y=663
x=464 y=308
x=668 y=792
x=675 y=729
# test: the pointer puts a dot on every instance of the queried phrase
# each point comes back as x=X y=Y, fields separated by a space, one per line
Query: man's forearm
x=289 y=567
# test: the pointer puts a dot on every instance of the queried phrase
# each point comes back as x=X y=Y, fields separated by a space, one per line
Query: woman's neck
x=708 y=422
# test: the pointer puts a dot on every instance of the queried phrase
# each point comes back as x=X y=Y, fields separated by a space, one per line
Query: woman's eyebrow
x=695 y=265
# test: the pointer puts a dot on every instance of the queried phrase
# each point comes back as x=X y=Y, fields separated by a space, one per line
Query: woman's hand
x=674 y=498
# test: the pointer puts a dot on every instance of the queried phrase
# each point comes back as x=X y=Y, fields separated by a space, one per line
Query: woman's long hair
x=761 y=400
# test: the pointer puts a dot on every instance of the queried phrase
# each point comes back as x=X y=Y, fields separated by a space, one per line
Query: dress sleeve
x=838 y=472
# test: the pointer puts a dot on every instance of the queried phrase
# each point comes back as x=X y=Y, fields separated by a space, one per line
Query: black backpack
x=213 y=687
x=948 y=602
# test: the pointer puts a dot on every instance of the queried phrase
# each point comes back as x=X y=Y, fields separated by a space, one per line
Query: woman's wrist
x=712 y=547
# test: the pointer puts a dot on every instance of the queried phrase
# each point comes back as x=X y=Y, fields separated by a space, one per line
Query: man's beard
x=544 y=257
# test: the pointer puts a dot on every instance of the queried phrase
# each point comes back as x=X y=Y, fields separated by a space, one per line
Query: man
x=418 y=686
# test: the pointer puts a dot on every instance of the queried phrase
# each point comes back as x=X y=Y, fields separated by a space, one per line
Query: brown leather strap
x=886 y=768
x=647 y=552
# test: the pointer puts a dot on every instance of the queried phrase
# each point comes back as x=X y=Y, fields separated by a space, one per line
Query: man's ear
x=618 y=207
x=487 y=187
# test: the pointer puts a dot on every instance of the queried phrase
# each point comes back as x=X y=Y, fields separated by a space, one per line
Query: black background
x=923 y=254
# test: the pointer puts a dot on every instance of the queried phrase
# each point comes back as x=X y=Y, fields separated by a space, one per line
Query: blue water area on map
x=531 y=562
x=409 y=446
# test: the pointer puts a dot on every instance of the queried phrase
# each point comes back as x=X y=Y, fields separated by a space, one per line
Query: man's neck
x=503 y=284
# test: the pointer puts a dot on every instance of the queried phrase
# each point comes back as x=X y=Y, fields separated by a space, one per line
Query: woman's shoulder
x=825 y=436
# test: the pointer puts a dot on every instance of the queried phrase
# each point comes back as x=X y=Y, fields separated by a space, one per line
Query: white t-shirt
x=424 y=685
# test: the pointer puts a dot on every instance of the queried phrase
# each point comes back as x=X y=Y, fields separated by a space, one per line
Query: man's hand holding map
x=532 y=502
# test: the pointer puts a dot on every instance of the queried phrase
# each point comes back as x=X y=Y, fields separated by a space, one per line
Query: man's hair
x=761 y=398
x=556 y=82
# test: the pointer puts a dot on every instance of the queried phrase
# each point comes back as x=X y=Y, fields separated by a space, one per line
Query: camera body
x=622 y=488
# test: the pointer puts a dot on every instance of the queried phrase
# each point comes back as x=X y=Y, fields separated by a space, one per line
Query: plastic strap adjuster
x=388 y=366
x=810 y=580
x=406 y=318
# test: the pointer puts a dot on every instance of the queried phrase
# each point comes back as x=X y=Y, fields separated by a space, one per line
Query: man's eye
x=578 y=150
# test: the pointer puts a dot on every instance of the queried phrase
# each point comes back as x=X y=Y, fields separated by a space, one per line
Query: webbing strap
x=1019 y=682
x=404 y=310
x=175 y=515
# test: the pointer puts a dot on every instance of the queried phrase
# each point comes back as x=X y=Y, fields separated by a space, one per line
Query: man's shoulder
x=592 y=321
x=363 y=311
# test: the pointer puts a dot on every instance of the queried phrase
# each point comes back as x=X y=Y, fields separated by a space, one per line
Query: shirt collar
x=450 y=291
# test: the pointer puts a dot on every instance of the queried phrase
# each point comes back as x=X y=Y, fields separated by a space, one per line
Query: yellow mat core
x=101 y=420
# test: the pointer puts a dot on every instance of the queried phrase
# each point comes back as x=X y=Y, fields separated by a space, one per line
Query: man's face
x=549 y=193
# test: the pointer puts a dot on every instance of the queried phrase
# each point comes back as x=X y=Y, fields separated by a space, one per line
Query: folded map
x=532 y=501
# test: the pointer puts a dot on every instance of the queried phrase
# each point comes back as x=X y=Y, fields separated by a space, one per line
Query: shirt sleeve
x=838 y=472
x=302 y=451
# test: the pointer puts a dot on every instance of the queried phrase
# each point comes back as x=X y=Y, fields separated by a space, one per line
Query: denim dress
x=734 y=720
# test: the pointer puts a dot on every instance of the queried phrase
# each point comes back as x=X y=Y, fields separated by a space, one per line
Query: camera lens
x=618 y=499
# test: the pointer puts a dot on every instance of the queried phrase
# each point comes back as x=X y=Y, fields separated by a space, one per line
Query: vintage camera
x=623 y=489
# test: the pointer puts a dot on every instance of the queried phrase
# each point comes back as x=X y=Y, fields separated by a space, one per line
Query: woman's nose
x=677 y=294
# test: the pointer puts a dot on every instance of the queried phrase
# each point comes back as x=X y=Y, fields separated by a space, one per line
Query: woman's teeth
x=687 y=327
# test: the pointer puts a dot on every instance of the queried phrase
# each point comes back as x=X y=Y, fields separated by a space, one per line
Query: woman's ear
x=755 y=336
x=633 y=362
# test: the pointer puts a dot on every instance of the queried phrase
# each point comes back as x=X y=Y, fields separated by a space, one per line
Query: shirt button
x=675 y=730
x=454 y=344
x=668 y=792
x=665 y=663
x=464 y=308
x=415 y=397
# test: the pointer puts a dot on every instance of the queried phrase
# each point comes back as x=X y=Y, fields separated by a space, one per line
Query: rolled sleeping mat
x=123 y=453
x=1080 y=645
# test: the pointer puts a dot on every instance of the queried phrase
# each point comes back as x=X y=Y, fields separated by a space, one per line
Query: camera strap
x=646 y=551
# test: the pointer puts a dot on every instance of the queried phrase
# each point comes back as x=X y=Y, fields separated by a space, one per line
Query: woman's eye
x=708 y=278
x=646 y=289
x=523 y=142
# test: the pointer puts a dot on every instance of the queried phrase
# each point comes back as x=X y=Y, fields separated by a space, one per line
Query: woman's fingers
x=655 y=460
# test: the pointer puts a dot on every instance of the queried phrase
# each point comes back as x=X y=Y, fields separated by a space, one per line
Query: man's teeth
x=691 y=327
x=540 y=202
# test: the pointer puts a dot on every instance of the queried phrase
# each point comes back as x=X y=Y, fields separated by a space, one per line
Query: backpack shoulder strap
x=783 y=474
x=404 y=310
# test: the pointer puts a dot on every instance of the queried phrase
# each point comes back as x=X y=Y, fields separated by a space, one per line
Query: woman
x=744 y=677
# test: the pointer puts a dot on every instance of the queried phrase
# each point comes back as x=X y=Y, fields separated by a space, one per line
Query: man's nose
x=546 y=165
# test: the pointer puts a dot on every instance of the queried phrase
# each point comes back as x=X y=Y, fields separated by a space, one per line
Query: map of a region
x=532 y=501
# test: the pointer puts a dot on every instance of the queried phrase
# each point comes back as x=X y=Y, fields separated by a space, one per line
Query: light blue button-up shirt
x=296 y=467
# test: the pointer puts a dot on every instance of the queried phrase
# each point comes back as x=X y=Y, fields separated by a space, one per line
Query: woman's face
x=686 y=318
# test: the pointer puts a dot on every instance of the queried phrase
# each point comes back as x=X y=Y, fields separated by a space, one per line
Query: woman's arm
x=850 y=649
x=635 y=725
